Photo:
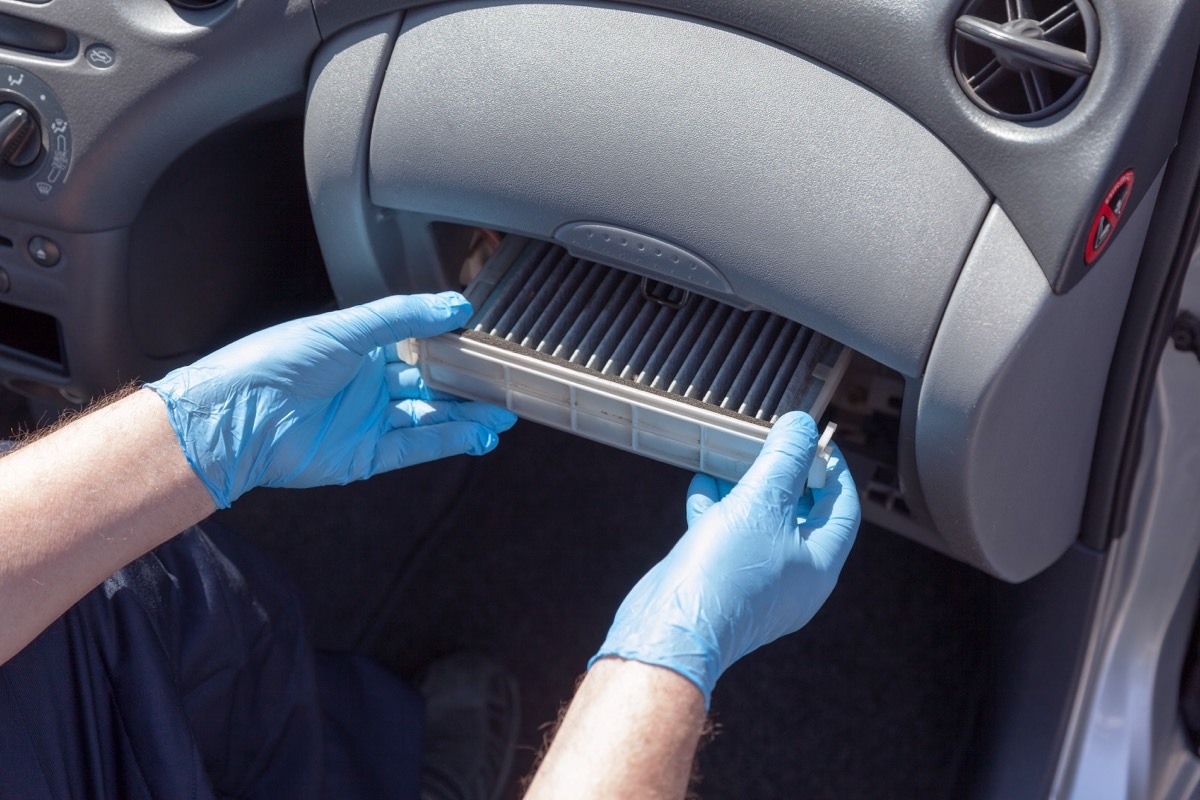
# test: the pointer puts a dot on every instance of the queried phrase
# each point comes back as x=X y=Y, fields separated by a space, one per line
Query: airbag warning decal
x=1104 y=224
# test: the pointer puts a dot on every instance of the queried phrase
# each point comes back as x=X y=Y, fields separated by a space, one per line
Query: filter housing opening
x=868 y=409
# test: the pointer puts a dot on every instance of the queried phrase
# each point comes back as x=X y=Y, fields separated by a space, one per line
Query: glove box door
x=799 y=191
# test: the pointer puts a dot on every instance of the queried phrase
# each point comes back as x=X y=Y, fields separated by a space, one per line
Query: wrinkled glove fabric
x=323 y=400
x=758 y=560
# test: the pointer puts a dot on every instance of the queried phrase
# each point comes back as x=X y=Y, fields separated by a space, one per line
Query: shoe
x=472 y=711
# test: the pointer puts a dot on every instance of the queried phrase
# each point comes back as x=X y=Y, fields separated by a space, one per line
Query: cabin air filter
x=627 y=361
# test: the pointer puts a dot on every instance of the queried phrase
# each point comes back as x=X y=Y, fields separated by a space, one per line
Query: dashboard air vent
x=1025 y=60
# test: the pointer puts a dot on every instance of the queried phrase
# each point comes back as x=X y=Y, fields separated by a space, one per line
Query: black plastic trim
x=34 y=37
x=1149 y=317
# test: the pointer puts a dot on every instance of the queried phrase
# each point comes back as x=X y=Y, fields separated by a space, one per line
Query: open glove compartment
x=728 y=166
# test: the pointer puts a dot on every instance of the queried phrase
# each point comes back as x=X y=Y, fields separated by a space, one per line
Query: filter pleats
x=754 y=363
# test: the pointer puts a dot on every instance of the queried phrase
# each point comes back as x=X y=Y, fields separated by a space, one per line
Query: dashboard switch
x=20 y=136
x=101 y=56
x=44 y=251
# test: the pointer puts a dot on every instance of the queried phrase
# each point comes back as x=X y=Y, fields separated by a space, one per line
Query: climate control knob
x=20 y=136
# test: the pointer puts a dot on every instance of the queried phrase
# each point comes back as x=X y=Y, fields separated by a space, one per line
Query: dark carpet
x=526 y=553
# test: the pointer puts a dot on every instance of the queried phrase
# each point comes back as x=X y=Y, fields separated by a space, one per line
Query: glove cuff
x=177 y=416
x=691 y=662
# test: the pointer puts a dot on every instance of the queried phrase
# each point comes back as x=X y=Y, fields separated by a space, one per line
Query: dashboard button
x=101 y=56
x=44 y=251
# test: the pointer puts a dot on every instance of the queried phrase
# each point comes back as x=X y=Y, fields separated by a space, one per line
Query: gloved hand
x=756 y=563
x=323 y=400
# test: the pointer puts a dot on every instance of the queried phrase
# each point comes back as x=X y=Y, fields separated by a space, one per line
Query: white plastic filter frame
x=609 y=412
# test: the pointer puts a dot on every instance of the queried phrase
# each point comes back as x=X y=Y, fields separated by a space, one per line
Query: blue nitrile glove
x=756 y=563
x=322 y=400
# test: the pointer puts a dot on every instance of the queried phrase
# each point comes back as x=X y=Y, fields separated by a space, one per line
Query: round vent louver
x=1025 y=59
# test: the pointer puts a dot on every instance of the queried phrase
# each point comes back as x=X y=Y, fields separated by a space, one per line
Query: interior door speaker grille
x=629 y=361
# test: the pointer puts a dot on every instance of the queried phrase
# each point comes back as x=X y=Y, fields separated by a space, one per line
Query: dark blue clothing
x=187 y=674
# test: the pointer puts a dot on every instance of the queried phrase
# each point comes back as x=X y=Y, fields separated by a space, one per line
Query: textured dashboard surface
x=802 y=188
x=1049 y=177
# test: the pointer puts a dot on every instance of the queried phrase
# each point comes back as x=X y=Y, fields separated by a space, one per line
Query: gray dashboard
x=1049 y=177
x=819 y=158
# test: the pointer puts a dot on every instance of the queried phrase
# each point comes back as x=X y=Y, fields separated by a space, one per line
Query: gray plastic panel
x=90 y=304
x=1049 y=177
x=1008 y=408
x=159 y=80
x=354 y=239
x=802 y=188
x=177 y=77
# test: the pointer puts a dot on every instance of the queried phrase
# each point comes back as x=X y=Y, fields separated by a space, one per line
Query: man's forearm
x=81 y=503
x=631 y=732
